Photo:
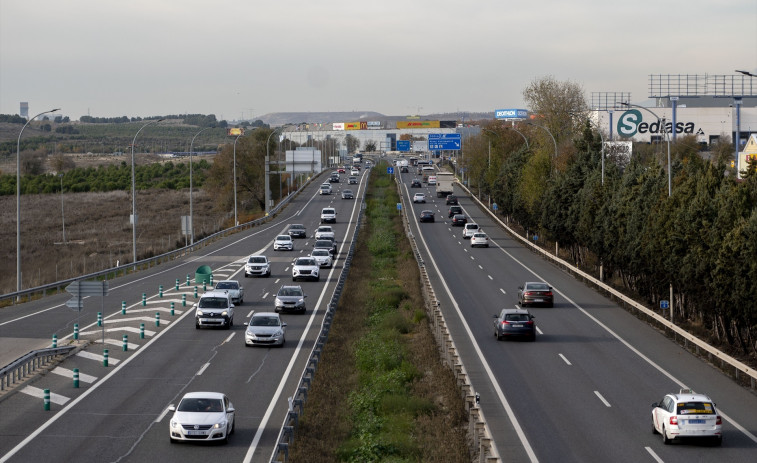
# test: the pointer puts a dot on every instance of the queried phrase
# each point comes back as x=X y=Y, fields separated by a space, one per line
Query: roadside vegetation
x=380 y=392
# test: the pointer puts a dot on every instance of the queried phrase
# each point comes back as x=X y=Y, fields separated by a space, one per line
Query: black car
x=514 y=323
x=327 y=243
x=455 y=210
x=451 y=199
x=416 y=183
x=403 y=170
x=297 y=230
x=459 y=220
x=535 y=292
x=426 y=216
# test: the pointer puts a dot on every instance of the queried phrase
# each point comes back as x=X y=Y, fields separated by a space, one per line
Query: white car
x=265 y=329
x=202 y=416
x=469 y=229
x=355 y=172
x=328 y=215
x=479 y=239
x=257 y=266
x=235 y=290
x=325 y=189
x=214 y=309
x=323 y=257
x=686 y=414
x=305 y=267
x=283 y=242
x=324 y=231
x=419 y=198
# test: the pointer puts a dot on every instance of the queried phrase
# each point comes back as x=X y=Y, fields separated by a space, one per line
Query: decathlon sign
x=511 y=113
x=632 y=122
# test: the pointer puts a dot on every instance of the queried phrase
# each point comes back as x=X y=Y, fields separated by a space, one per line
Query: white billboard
x=303 y=160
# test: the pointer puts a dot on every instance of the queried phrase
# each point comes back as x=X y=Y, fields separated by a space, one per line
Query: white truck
x=444 y=181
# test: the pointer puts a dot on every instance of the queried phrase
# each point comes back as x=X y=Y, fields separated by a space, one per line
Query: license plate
x=196 y=433
x=697 y=421
x=538 y=300
x=517 y=326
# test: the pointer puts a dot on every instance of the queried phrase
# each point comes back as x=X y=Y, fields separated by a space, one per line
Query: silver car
x=265 y=329
x=305 y=267
x=235 y=290
x=290 y=299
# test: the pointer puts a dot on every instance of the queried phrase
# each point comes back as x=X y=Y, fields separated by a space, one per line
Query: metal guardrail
x=713 y=353
x=297 y=402
x=58 y=286
x=478 y=428
x=19 y=369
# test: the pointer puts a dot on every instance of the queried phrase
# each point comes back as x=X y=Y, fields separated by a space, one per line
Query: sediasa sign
x=631 y=122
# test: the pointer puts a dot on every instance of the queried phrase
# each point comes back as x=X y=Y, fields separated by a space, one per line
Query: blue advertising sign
x=444 y=141
x=511 y=113
x=403 y=145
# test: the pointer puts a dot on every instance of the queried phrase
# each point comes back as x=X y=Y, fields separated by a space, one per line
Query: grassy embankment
x=380 y=392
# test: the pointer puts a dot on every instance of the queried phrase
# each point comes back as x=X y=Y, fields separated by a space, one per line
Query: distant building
x=24 y=109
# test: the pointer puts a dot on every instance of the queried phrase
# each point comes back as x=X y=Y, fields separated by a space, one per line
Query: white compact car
x=305 y=267
x=325 y=189
x=202 y=417
x=469 y=229
x=323 y=257
x=479 y=239
x=257 y=266
x=328 y=215
x=686 y=415
x=419 y=198
x=324 y=231
x=283 y=242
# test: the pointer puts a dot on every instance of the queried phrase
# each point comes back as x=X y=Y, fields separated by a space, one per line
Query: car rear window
x=517 y=317
x=227 y=285
x=695 y=408
x=538 y=287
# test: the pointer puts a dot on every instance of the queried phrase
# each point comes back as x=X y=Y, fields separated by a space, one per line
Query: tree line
x=701 y=239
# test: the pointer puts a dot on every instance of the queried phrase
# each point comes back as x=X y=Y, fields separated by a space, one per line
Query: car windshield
x=290 y=292
x=264 y=321
x=227 y=285
x=257 y=260
x=283 y=238
x=538 y=286
x=305 y=261
x=323 y=244
x=517 y=317
x=297 y=227
x=320 y=252
x=695 y=408
x=213 y=303
x=325 y=229
x=201 y=405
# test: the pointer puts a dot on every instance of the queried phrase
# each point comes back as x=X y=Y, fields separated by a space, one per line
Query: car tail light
x=505 y=322
x=719 y=421
x=674 y=420
x=530 y=322
x=528 y=293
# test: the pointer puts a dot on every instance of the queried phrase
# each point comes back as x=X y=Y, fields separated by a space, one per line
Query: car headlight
x=278 y=301
x=224 y=313
x=219 y=425
x=301 y=301
x=174 y=423
x=199 y=313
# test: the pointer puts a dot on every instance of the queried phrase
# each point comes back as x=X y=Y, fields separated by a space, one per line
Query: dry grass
x=98 y=232
x=327 y=430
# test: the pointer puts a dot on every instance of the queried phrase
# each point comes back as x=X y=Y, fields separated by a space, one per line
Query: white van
x=328 y=215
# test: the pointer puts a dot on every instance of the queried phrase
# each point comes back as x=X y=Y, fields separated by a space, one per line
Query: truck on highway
x=444 y=181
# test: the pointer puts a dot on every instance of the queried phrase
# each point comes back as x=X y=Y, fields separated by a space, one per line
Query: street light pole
x=551 y=136
x=134 y=194
x=62 y=213
x=191 y=210
x=665 y=134
x=18 y=199
x=236 y=222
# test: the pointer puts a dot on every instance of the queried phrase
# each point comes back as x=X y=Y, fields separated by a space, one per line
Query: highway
x=583 y=391
x=119 y=412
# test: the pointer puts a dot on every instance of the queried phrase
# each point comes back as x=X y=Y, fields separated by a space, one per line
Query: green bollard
x=76 y=331
x=126 y=343
x=195 y=291
x=141 y=331
x=204 y=286
x=99 y=319
x=76 y=378
x=183 y=300
x=105 y=357
x=211 y=279
x=55 y=340
x=123 y=307
x=144 y=299
x=47 y=399
x=172 y=309
x=157 y=318
x=177 y=285
x=188 y=283
x=160 y=291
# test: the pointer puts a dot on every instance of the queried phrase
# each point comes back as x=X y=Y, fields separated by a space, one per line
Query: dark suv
x=451 y=199
x=453 y=210
x=297 y=230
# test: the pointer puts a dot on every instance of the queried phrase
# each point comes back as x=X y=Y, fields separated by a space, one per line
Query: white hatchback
x=479 y=239
x=324 y=231
x=419 y=198
x=283 y=242
x=686 y=415
x=470 y=229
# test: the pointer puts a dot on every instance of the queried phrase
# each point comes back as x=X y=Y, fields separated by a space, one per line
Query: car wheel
x=283 y=341
x=665 y=439
x=532 y=338
x=246 y=275
x=171 y=439
x=718 y=441
x=197 y=326
x=233 y=423
x=654 y=429
x=497 y=335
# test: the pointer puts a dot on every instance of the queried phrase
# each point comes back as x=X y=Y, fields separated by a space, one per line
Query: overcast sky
x=248 y=58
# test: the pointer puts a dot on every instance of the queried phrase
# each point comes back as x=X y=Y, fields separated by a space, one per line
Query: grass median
x=381 y=392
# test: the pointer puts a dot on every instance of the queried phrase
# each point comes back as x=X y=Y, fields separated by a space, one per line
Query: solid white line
x=161 y=309
x=120 y=343
x=37 y=392
x=607 y=404
x=654 y=455
x=70 y=374
x=565 y=359
x=202 y=369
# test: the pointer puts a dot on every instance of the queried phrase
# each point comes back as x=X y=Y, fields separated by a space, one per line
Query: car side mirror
x=283 y=324
x=172 y=408
x=246 y=324
x=520 y=287
x=655 y=405
x=231 y=305
x=194 y=306
x=230 y=410
x=496 y=316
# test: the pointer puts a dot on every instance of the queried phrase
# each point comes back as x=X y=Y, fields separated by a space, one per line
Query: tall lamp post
x=268 y=171
x=134 y=194
x=550 y=135
x=236 y=222
x=191 y=210
x=665 y=134
x=18 y=199
x=62 y=213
